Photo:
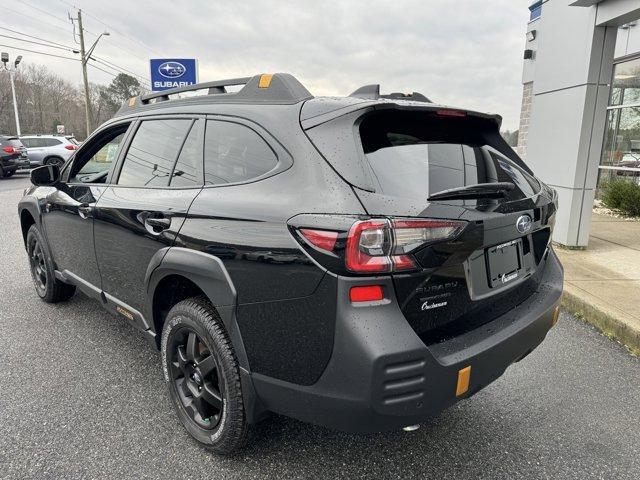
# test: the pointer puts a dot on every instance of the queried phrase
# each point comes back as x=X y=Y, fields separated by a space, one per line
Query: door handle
x=84 y=210
x=158 y=224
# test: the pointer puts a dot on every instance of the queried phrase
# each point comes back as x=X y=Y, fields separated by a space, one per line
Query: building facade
x=580 y=118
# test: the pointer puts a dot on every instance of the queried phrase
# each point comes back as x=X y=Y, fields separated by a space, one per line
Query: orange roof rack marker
x=265 y=80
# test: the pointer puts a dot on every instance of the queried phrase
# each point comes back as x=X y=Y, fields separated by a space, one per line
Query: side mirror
x=45 y=176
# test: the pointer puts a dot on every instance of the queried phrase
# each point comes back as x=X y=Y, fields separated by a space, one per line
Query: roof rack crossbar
x=217 y=86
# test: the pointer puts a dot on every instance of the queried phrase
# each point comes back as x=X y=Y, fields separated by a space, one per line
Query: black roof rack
x=277 y=88
x=372 y=92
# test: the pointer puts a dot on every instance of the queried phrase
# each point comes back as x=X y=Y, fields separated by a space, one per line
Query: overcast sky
x=460 y=52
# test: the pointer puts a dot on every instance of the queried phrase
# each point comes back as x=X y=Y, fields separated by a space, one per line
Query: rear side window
x=416 y=155
x=235 y=153
x=51 y=142
x=153 y=152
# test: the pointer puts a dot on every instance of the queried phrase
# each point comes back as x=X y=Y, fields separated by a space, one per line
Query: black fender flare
x=30 y=205
x=210 y=275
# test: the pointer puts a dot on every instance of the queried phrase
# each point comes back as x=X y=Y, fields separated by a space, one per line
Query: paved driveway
x=82 y=396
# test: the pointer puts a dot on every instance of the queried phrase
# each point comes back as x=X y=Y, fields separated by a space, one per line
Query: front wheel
x=203 y=376
x=48 y=287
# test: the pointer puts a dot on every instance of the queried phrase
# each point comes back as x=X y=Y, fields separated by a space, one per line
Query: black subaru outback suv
x=360 y=263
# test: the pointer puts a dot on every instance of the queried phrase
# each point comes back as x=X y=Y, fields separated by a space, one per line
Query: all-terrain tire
x=48 y=287
x=197 y=315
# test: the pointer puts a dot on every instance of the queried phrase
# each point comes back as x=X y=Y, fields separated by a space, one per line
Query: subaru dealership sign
x=173 y=72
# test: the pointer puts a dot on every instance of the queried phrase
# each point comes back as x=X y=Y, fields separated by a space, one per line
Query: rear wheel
x=9 y=173
x=203 y=376
x=54 y=161
x=48 y=287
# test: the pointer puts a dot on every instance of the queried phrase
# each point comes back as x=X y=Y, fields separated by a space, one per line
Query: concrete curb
x=610 y=325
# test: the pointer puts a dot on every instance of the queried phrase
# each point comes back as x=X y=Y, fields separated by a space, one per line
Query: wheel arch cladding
x=26 y=220
x=184 y=273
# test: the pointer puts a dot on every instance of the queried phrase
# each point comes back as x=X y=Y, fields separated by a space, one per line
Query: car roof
x=279 y=89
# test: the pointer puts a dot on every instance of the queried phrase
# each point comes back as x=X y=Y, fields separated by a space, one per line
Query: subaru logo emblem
x=523 y=224
x=171 y=69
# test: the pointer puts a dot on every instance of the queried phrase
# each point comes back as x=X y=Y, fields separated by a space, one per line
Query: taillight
x=9 y=149
x=70 y=147
x=382 y=246
x=375 y=246
x=323 y=239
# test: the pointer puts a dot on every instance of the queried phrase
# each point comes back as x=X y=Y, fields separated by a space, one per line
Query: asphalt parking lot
x=82 y=396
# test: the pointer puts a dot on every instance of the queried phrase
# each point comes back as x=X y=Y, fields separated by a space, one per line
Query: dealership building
x=580 y=120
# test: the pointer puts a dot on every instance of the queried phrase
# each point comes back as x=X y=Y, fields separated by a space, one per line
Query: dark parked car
x=417 y=245
x=13 y=155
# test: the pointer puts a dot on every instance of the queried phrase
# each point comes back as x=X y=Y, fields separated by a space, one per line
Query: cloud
x=463 y=52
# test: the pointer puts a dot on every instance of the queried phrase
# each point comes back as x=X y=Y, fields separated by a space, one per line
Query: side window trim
x=284 y=160
x=184 y=140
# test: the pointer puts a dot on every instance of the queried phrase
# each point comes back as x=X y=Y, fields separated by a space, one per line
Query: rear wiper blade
x=479 y=190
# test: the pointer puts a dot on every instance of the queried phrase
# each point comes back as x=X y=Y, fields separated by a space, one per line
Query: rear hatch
x=402 y=161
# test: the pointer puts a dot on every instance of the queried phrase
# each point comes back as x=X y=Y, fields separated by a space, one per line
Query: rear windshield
x=14 y=142
x=416 y=155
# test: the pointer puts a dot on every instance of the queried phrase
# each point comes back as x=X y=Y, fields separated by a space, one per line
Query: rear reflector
x=366 y=293
x=323 y=239
x=464 y=376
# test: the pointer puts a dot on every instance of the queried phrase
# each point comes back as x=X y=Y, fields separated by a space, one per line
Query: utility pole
x=85 y=79
x=86 y=55
x=12 y=72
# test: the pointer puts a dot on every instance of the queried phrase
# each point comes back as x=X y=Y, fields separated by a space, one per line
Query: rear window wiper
x=479 y=190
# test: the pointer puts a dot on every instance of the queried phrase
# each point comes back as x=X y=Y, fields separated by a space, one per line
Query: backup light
x=382 y=246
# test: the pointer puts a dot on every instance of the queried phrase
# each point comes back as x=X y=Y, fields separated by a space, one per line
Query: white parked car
x=49 y=149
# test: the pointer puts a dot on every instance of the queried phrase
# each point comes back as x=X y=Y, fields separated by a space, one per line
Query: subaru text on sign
x=173 y=72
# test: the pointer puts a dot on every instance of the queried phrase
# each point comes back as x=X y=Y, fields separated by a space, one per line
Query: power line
x=33 y=36
x=36 y=43
x=147 y=47
x=35 y=19
x=117 y=67
x=44 y=11
x=39 y=53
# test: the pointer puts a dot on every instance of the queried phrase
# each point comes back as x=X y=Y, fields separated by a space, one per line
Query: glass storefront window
x=625 y=89
x=621 y=151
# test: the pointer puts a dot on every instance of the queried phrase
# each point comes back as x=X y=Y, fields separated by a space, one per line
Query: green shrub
x=623 y=196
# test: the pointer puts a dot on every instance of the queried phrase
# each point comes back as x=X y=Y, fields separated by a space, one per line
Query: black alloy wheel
x=48 y=287
x=195 y=374
x=203 y=375
x=37 y=261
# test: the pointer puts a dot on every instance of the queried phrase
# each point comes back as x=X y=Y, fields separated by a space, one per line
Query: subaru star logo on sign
x=173 y=72
x=523 y=224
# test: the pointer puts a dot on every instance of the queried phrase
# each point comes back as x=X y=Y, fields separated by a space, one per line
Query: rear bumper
x=381 y=376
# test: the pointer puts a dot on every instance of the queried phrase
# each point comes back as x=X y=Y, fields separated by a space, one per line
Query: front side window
x=153 y=152
x=235 y=153
x=95 y=160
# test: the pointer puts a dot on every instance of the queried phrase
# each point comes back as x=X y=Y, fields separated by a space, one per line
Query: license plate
x=504 y=262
